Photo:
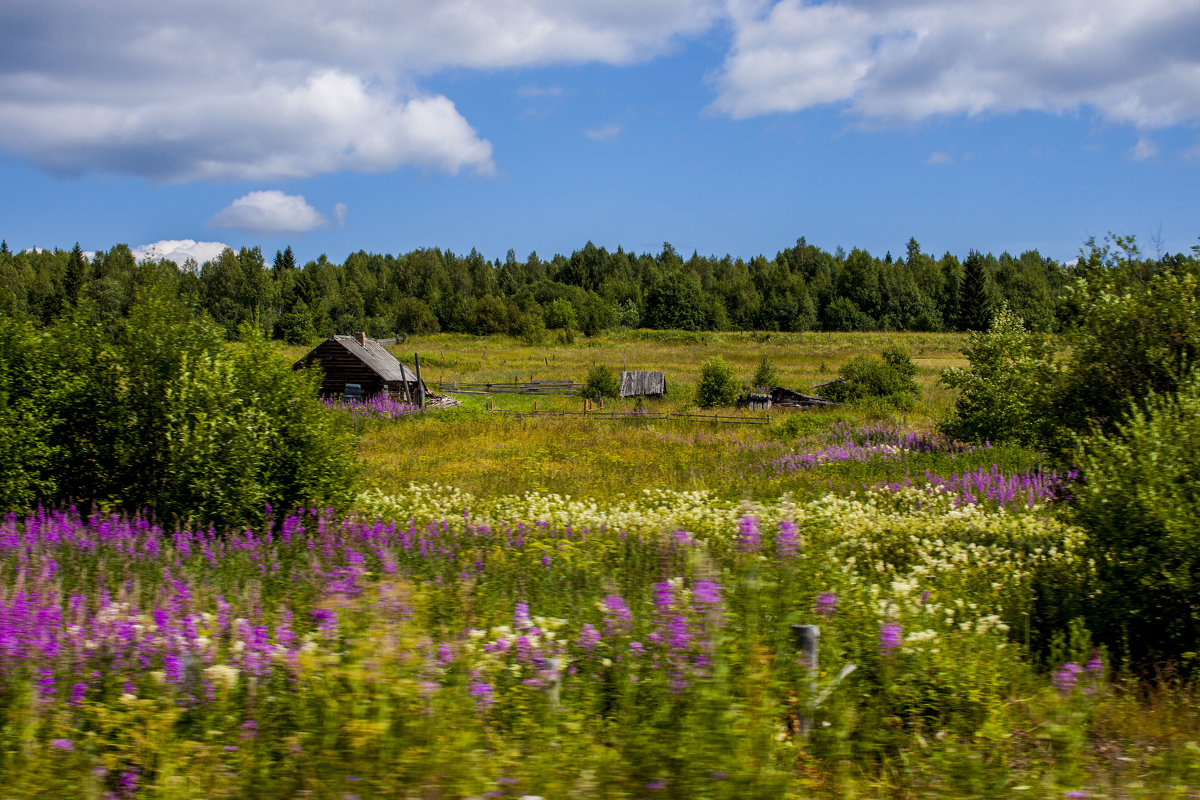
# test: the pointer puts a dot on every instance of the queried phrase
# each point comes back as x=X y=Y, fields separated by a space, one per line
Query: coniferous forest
x=428 y=290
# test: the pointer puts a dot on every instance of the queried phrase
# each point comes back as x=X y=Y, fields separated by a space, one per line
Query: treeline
x=429 y=290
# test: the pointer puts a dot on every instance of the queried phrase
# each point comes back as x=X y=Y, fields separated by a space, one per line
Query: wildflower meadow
x=539 y=621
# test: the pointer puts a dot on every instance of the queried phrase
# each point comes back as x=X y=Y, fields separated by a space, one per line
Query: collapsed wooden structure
x=643 y=384
x=356 y=368
x=786 y=398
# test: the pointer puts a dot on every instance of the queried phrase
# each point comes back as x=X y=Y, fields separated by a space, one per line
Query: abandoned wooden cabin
x=356 y=368
x=757 y=400
x=643 y=384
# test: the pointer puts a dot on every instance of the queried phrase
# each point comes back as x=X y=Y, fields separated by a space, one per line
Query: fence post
x=420 y=386
x=807 y=639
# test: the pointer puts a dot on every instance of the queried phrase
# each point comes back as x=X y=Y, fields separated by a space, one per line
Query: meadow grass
x=571 y=607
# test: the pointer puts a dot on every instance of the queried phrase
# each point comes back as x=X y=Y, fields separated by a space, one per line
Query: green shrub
x=164 y=415
x=890 y=378
x=765 y=375
x=1138 y=332
x=716 y=386
x=1005 y=394
x=1139 y=502
x=601 y=380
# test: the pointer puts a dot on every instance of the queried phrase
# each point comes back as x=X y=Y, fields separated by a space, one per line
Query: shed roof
x=381 y=362
x=636 y=383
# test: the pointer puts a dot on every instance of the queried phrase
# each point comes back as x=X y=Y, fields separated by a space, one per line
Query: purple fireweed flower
x=706 y=594
x=664 y=597
x=617 y=616
x=445 y=655
x=483 y=693
x=786 y=541
x=589 y=637
x=656 y=785
x=1066 y=677
x=1095 y=664
x=749 y=535
x=521 y=616
x=826 y=604
x=62 y=744
x=891 y=636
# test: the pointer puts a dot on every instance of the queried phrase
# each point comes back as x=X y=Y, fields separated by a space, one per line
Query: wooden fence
x=635 y=416
x=528 y=387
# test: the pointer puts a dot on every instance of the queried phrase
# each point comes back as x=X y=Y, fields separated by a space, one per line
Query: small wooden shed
x=643 y=384
x=357 y=367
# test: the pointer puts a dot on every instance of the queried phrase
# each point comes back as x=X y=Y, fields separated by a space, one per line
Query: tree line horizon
x=429 y=290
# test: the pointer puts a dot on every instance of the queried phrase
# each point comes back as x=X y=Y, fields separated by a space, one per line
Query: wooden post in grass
x=806 y=638
x=420 y=386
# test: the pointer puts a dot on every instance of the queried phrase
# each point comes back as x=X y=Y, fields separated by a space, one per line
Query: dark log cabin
x=356 y=367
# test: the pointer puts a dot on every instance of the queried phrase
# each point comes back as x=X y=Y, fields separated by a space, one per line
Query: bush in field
x=163 y=414
x=716 y=386
x=1139 y=503
x=601 y=380
x=891 y=377
x=1005 y=394
x=765 y=375
x=1138 y=331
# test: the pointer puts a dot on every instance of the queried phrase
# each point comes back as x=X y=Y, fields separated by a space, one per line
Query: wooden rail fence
x=637 y=415
x=527 y=387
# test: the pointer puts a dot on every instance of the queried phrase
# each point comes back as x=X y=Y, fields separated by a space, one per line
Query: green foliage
x=1005 y=394
x=765 y=375
x=1138 y=332
x=890 y=377
x=716 y=386
x=560 y=314
x=1139 y=502
x=975 y=303
x=601 y=380
x=162 y=414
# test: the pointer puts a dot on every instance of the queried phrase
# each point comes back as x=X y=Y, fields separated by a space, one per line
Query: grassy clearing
x=491 y=454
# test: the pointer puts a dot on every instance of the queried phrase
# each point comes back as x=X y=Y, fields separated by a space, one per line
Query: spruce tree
x=285 y=261
x=76 y=276
x=975 y=304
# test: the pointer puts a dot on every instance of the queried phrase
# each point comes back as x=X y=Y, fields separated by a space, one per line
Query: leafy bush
x=1139 y=503
x=891 y=377
x=1005 y=394
x=765 y=375
x=716 y=386
x=1138 y=332
x=163 y=414
x=601 y=380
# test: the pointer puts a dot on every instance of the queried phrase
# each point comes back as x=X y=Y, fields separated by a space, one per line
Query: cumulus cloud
x=179 y=251
x=913 y=59
x=253 y=91
x=604 y=133
x=1144 y=149
x=271 y=213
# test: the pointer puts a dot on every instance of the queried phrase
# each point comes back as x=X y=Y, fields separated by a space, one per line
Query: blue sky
x=724 y=127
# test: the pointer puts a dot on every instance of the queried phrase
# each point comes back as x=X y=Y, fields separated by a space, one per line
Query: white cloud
x=256 y=91
x=1144 y=149
x=605 y=133
x=555 y=92
x=912 y=59
x=179 y=250
x=940 y=158
x=270 y=213
x=339 y=215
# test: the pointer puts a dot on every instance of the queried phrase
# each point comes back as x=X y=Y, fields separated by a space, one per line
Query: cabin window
x=353 y=391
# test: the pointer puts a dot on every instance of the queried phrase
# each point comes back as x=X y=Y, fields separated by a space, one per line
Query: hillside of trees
x=428 y=290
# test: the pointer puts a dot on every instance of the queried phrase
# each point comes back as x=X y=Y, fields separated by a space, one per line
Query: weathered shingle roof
x=635 y=384
x=372 y=354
